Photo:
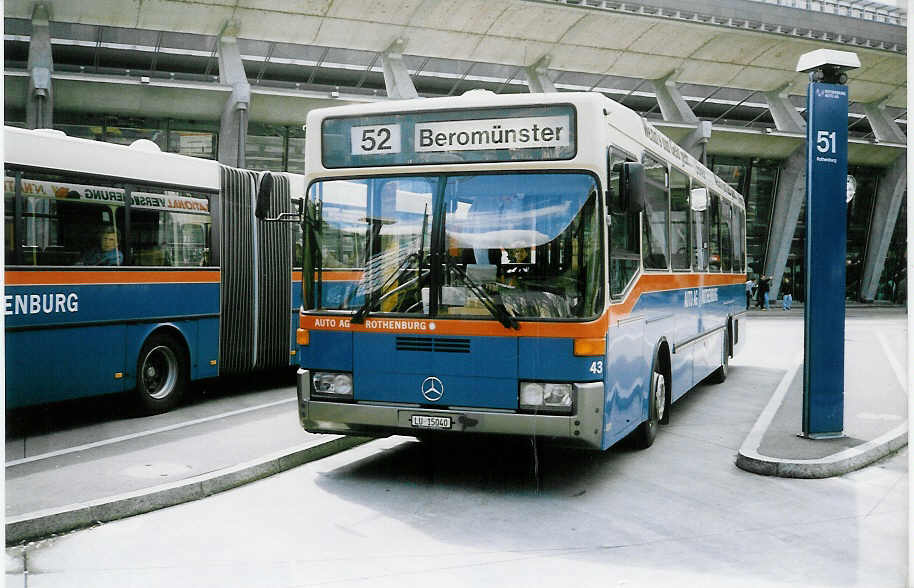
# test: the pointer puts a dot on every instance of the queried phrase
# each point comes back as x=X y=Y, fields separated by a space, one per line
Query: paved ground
x=399 y=513
x=875 y=402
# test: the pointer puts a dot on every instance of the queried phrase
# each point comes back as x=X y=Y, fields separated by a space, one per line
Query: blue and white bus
x=545 y=264
x=128 y=269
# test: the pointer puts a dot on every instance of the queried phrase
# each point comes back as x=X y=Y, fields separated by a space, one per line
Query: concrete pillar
x=672 y=106
x=39 y=104
x=883 y=126
x=785 y=115
x=396 y=76
x=788 y=202
x=675 y=109
x=889 y=196
x=538 y=79
x=233 y=126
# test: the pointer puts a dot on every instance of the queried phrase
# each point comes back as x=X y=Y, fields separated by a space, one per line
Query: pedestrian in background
x=764 y=284
x=750 y=287
x=788 y=298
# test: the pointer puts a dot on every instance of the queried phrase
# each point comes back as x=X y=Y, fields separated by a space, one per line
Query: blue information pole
x=826 y=252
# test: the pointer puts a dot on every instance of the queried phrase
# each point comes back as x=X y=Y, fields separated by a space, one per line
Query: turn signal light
x=590 y=346
x=302 y=336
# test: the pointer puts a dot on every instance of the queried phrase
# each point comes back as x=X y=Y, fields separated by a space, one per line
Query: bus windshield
x=527 y=245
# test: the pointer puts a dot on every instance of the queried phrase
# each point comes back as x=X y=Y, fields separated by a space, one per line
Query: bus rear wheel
x=161 y=375
x=646 y=432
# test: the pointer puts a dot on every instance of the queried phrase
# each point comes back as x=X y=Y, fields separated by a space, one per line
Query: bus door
x=627 y=361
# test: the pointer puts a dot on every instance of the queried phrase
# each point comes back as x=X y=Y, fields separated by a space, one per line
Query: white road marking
x=122 y=438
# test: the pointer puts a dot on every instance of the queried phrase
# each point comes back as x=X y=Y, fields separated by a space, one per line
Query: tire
x=161 y=374
x=643 y=437
x=719 y=376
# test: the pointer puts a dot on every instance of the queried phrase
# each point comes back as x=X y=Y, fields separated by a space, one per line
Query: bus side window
x=655 y=222
x=714 y=235
x=680 y=237
x=9 y=218
x=624 y=233
x=162 y=238
x=58 y=227
x=726 y=244
x=698 y=206
x=739 y=230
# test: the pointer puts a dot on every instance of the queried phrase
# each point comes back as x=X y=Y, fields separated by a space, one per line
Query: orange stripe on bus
x=340 y=276
x=56 y=277
x=648 y=283
x=473 y=327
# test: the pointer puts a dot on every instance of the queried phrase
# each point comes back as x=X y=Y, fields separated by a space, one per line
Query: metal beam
x=396 y=77
x=538 y=79
x=672 y=105
x=318 y=65
x=696 y=142
x=785 y=115
x=39 y=110
x=788 y=202
x=889 y=195
x=883 y=126
x=233 y=126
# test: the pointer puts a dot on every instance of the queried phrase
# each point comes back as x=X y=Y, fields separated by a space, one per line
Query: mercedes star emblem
x=432 y=389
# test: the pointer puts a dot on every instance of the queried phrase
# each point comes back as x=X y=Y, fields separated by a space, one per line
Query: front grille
x=433 y=344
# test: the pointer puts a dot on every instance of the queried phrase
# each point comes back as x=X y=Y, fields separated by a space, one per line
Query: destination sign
x=528 y=133
x=499 y=133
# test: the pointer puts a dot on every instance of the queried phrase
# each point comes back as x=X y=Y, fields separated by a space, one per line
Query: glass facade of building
x=757 y=180
x=268 y=147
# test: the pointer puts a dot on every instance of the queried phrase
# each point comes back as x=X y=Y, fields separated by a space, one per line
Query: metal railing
x=864 y=10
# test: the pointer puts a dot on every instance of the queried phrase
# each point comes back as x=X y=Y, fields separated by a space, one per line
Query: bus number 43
x=596 y=367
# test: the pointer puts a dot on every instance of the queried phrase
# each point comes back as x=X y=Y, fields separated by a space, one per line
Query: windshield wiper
x=362 y=313
x=495 y=306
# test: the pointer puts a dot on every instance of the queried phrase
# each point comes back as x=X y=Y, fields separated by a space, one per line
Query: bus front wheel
x=161 y=375
x=646 y=432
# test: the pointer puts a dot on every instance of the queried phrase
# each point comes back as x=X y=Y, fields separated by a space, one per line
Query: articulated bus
x=546 y=264
x=132 y=270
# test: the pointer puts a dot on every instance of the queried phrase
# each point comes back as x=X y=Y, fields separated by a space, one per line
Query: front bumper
x=584 y=428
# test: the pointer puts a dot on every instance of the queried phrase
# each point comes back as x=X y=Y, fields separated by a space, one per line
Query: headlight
x=332 y=385
x=546 y=397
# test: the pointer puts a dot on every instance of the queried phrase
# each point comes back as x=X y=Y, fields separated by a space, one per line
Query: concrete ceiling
x=510 y=32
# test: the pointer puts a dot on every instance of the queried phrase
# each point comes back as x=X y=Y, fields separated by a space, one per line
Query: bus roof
x=54 y=150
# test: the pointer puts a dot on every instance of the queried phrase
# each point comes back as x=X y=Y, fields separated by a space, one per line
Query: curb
x=847 y=460
x=826 y=467
x=43 y=524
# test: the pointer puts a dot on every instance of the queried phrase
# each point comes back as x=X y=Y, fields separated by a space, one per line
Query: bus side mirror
x=631 y=187
x=264 y=192
x=699 y=199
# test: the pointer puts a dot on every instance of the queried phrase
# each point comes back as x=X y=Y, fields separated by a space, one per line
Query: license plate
x=421 y=421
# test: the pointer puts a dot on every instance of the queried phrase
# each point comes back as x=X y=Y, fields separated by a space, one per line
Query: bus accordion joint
x=302 y=336
x=590 y=346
